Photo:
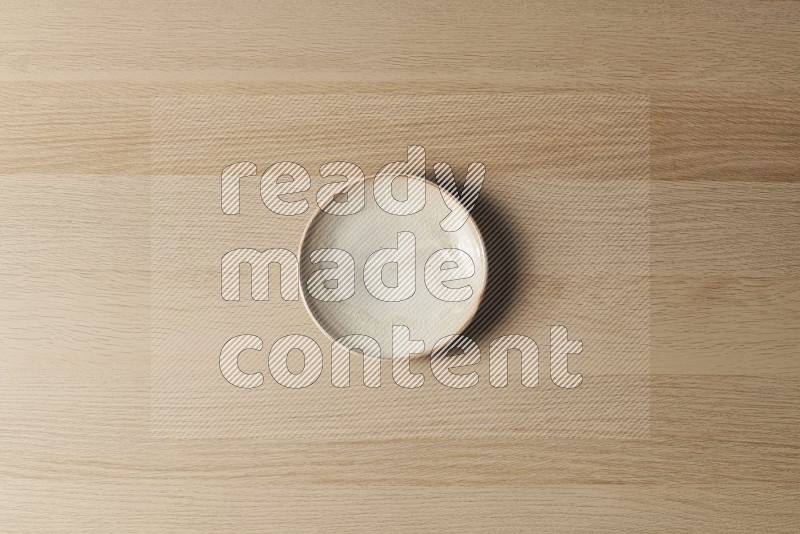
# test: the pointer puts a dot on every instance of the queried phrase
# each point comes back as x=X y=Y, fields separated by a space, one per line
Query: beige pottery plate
x=361 y=234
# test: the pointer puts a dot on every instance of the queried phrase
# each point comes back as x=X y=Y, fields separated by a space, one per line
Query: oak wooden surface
x=76 y=86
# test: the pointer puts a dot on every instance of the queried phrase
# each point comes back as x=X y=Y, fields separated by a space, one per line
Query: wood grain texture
x=76 y=86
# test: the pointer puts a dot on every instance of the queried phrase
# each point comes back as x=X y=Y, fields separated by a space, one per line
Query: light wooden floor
x=76 y=87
